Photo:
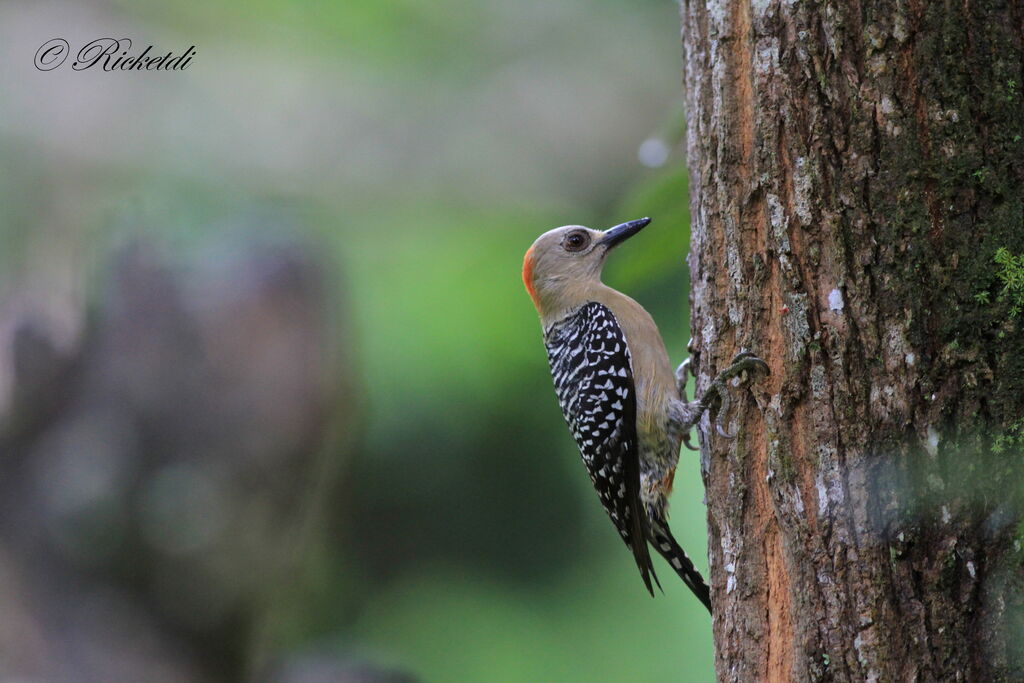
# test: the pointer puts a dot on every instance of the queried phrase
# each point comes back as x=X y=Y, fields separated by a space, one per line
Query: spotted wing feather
x=593 y=375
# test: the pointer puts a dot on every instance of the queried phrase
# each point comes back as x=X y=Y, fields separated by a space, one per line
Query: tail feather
x=666 y=544
x=637 y=542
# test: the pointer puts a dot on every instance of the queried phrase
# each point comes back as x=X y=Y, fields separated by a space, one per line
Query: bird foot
x=739 y=372
x=743 y=365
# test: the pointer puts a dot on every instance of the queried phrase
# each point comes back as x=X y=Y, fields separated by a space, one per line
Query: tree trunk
x=854 y=168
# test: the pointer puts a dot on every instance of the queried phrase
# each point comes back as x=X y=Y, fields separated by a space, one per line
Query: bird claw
x=743 y=364
x=686 y=369
x=719 y=419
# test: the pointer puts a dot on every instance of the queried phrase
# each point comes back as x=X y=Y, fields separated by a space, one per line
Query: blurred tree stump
x=155 y=481
x=853 y=170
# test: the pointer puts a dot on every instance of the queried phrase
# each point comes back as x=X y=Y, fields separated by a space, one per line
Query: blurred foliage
x=469 y=472
x=462 y=540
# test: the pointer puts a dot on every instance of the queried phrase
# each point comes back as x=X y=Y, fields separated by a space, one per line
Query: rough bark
x=853 y=169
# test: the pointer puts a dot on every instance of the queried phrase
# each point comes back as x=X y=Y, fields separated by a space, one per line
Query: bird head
x=565 y=262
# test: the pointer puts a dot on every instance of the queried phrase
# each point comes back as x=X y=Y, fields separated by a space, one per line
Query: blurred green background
x=416 y=150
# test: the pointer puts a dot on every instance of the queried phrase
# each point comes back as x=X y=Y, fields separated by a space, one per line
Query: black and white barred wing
x=593 y=376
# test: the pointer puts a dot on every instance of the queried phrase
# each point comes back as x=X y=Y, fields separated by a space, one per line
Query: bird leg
x=742 y=365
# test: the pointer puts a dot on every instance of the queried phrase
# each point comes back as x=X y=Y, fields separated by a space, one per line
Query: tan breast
x=652 y=370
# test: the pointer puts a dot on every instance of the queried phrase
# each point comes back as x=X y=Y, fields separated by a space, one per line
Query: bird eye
x=576 y=241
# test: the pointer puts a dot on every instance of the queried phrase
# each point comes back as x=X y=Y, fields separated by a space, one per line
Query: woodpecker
x=627 y=410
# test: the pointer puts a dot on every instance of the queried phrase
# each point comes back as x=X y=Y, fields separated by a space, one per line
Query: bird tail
x=666 y=544
x=637 y=542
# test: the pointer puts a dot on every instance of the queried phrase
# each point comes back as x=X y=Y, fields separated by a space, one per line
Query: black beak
x=620 y=233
